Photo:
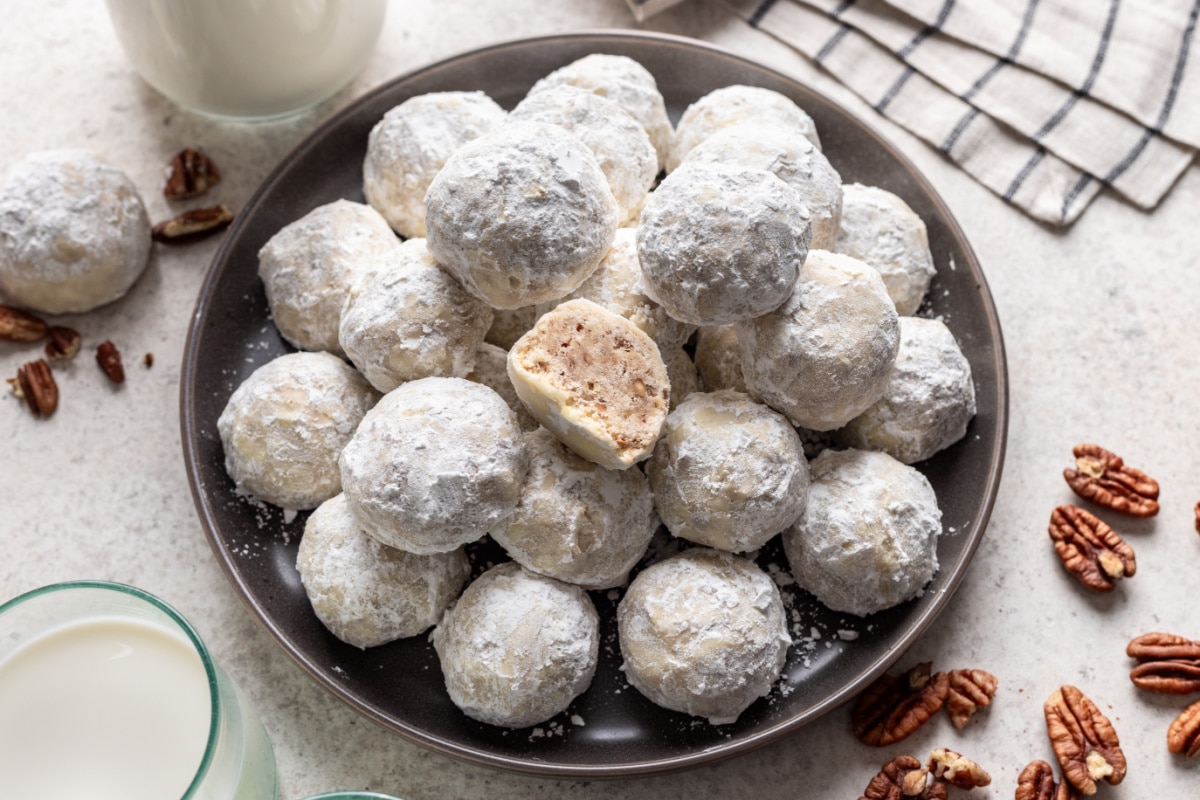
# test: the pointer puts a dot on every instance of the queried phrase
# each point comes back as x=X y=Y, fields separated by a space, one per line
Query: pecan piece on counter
x=1197 y=517
x=1183 y=737
x=109 y=359
x=903 y=777
x=894 y=706
x=957 y=770
x=969 y=691
x=1090 y=550
x=63 y=344
x=1103 y=478
x=1166 y=663
x=192 y=174
x=36 y=386
x=191 y=226
x=20 y=326
x=1084 y=740
x=1037 y=783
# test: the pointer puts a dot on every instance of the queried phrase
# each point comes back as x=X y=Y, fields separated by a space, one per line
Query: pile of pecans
x=191 y=174
x=1171 y=664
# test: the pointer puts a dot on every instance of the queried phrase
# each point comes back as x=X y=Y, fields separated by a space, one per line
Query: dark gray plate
x=400 y=685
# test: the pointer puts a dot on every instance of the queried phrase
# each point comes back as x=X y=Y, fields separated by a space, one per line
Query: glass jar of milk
x=247 y=59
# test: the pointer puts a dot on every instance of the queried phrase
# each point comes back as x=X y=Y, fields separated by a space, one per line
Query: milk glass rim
x=214 y=692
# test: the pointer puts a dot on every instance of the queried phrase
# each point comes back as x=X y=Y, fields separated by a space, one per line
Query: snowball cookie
x=511 y=324
x=704 y=633
x=719 y=359
x=619 y=142
x=618 y=285
x=928 y=401
x=434 y=465
x=411 y=143
x=879 y=228
x=285 y=426
x=366 y=593
x=491 y=369
x=74 y=234
x=308 y=267
x=737 y=105
x=595 y=380
x=682 y=374
x=868 y=539
x=521 y=215
x=625 y=82
x=793 y=159
x=412 y=320
x=728 y=472
x=826 y=354
x=577 y=521
x=722 y=244
x=517 y=647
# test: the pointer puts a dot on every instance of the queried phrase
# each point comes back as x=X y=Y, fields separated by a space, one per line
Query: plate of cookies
x=594 y=405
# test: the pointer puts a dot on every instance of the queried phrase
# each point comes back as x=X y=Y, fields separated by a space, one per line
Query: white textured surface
x=1100 y=324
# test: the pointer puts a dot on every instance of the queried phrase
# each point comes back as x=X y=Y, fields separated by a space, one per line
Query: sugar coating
x=308 y=267
x=682 y=374
x=618 y=285
x=366 y=593
x=595 y=380
x=517 y=647
x=408 y=147
x=826 y=354
x=625 y=82
x=879 y=228
x=728 y=472
x=511 y=324
x=74 y=234
x=434 y=465
x=722 y=244
x=704 y=633
x=619 y=142
x=737 y=105
x=868 y=539
x=577 y=521
x=719 y=359
x=792 y=158
x=284 y=427
x=412 y=320
x=491 y=369
x=928 y=401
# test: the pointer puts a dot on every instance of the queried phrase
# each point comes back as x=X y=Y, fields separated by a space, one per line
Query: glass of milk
x=247 y=59
x=107 y=693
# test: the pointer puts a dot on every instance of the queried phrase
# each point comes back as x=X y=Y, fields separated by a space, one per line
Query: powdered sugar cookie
x=737 y=105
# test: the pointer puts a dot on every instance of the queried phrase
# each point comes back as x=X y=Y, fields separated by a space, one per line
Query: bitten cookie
x=737 y=105
x=595 y=380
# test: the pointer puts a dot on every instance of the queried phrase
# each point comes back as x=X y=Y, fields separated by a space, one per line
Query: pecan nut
x=903 y=777
x=957 y=770
x=63 y=344
x=20 y=326
x=1036 y=782
x=1197 y=517
x=1084 y=740
x=109 y=359
x=894 y=706
x=36 y=386
x=191 y=226
x=1166 y=663
x=192 y=174
x=1103 y=478
x=1090 y=550
x=1183 y=736
x=969 y=690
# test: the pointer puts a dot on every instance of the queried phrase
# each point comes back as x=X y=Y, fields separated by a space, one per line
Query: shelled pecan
x=1036 y=782
x=1166 y=663
x=109 y=359
x=192 y=174
x=957 y=770
x=903 y=777
x=1090 y=550
x=1084 y=741
x=1197 y=511
x=1103 y=478
x=191 y=226
x=20 y=326
x=64 y=343
x=36 y=386
x=894 y=706
x=1183 y=736
x=969 y=690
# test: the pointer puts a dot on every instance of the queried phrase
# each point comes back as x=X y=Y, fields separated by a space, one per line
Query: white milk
x=103 y=709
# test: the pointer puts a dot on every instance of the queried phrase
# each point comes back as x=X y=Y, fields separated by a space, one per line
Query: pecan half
x=969 y=691
x=63 y=344
x=36 y=386
x=1103 y=478
x=109 y=359
x=1183 y=736
x=1166 y=663
x=1037 y=783
x=957 y=770
x=20 y=326
x=894 y=706
x=1197 y=517
x=191 y=226
x=192 y=174
x=1090 y=550
x=1084 y=740
x=903 y=777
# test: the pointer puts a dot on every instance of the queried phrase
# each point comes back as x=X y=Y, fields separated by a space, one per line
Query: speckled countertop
x=1103 y=344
